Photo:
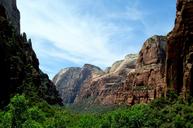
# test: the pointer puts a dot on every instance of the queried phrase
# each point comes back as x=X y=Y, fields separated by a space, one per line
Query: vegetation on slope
x=171 y=112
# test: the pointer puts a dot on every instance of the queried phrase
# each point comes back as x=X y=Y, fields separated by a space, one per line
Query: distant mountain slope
x=69 y=80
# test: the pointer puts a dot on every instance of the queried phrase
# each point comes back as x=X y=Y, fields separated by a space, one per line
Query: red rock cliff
x=179 y=68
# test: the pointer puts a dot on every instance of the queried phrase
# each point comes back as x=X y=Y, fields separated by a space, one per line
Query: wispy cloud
x=83 y=31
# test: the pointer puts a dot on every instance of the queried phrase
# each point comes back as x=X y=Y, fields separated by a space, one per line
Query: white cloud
x=84 y=36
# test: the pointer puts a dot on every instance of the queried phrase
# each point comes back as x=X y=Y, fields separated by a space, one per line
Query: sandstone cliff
x=19 y=65
x=179 y=68
x=147 y=80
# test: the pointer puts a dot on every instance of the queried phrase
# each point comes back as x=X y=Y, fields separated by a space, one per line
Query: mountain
x=136 y=78
x=69 y=80
x=163 y=64
x=179 y=68
x=75 y=84
x=19 y=66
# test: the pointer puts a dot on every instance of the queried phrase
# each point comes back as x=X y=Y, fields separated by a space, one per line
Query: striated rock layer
x=179 y=68
x=136 y=79
x=19 y=65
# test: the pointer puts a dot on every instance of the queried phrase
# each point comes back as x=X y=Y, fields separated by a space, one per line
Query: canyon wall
x=179 y=68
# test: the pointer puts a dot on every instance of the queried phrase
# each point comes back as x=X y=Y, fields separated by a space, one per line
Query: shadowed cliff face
x=9 y=10
x=19 y=66
x=179 y=68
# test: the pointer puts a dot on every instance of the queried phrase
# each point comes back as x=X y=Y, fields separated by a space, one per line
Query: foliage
x=161 y=113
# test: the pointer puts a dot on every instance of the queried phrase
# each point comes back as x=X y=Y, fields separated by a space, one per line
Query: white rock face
x=115 y=66
x=123 y=66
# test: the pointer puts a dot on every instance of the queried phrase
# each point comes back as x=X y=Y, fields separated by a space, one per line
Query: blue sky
x=69 y=33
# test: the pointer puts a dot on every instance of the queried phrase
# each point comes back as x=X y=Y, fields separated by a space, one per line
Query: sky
x=70 y=33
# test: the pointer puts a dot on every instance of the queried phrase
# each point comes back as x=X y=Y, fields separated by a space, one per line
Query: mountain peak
x=90 y=66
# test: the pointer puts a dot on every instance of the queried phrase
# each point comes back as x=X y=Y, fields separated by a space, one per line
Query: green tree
x=17 y=109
